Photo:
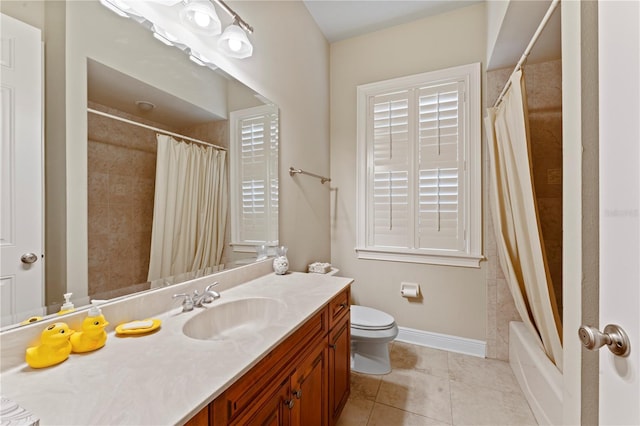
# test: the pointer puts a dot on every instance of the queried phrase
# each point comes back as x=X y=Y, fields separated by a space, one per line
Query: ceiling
x=114 y=89
x=342 y=19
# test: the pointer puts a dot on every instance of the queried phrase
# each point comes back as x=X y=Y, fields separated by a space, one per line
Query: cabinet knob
x=332 y=346
x=289 y=403
x=297 y=393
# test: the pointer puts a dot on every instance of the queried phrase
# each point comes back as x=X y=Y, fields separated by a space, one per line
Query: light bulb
x=201 y=19
x=234 y=44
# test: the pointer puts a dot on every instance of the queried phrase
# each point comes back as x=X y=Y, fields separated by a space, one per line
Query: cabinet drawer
x=338 y=307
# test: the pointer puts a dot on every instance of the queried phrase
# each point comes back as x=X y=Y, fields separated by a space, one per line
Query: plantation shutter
x=390 y=155
x=272 y=235
x=440 y=167
x=259 y=195
x=416 y=168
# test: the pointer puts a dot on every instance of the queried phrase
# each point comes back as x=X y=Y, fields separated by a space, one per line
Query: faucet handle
x=187 y=303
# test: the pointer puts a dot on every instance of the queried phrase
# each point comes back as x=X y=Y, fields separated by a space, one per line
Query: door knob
x=29 y=258
x=614 y=337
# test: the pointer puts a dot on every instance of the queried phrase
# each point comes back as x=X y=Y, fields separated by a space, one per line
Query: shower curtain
x=190 y=208
x=516 y=223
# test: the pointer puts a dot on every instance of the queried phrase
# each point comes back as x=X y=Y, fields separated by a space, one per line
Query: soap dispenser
x=92 y=336
x=67 y=306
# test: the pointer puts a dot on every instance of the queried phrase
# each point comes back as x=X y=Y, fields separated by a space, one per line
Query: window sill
x=446 y=259
x=251 y=247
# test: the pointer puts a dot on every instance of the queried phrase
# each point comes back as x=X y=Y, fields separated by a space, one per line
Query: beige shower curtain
x=190 y=208
x=516 y=222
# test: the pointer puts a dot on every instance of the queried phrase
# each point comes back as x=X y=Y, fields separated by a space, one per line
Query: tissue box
x=319 y=268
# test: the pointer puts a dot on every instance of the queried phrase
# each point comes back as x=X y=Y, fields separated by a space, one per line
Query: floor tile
x=356 y=412
x=474 y=371
x=474 y=405
x=412 y=357
x=417 y=392
x=365 y=386
x=432 y=387
x=383 y=415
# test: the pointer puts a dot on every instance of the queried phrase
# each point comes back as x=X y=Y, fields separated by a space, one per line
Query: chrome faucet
x=197 y=300
x=207 y=297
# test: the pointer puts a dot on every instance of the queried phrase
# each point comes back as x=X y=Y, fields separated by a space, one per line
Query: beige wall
x=454 y=299
x=290 y=66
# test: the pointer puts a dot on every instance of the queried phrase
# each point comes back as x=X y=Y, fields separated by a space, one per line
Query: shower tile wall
x=121 y=184
x=544 y=100
x=121 y=176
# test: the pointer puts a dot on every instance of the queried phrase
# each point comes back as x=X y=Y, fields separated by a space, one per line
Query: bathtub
x=539 y=379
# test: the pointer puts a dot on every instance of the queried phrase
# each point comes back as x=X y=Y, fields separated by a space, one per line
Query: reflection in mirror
x=158 y=196
x=125 y=64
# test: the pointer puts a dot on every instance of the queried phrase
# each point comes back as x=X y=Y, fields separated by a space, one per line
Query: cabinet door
x=275 y=412
x=309 y=389
x=200 y=419
x=339 y=368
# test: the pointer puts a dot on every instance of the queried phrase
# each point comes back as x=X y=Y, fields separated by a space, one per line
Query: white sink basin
x=235 y=320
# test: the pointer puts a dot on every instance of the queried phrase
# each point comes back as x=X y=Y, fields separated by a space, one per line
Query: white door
x=21 y=282
x=619 y=91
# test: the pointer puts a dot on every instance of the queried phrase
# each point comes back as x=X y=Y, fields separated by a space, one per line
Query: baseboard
x=443 y=341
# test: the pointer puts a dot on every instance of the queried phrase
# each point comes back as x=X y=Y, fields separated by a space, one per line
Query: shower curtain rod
x=164 y=132
x=525 y=55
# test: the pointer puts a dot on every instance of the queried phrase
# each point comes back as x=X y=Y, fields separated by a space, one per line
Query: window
x=254 y=177
x=419 y=187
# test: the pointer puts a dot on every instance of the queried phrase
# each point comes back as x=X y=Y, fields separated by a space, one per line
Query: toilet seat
x=365 y=318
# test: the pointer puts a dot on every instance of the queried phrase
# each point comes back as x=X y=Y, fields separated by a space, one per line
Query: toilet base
x=370 y=358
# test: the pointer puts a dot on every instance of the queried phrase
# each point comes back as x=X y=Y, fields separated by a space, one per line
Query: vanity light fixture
x=164 y=36
x=198 y=59
x=201 y=17
x=234 y=42
x=117 y=7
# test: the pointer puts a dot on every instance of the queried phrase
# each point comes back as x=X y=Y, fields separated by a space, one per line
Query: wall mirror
x=106 y=75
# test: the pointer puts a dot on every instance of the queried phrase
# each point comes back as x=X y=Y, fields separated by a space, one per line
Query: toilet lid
x=368 y=318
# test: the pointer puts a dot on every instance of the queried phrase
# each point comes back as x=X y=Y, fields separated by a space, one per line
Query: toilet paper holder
x=409 y=290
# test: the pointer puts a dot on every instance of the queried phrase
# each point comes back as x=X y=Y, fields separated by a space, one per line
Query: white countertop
x=164 y=377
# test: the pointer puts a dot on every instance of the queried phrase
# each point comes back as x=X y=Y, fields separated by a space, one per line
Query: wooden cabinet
x=304 y=381
x=274 y=412
x=339 y=367
x=200 y=419
x=309 y=389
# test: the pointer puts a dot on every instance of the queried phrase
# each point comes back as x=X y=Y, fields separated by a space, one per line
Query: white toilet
x=371 y=332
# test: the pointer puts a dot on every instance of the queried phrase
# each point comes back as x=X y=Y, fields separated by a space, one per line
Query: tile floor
x=433 y=387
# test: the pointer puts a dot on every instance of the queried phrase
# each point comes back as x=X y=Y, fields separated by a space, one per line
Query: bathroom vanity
x=287 y=362
x=303 y=381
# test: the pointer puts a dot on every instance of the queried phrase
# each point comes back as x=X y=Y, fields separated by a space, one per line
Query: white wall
x=454 y=298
